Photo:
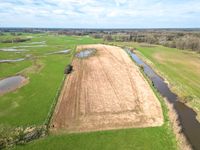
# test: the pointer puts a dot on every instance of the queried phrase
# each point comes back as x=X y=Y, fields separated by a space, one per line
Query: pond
x=11 y=83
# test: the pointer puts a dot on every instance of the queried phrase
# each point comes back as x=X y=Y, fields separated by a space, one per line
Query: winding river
x=187 y=117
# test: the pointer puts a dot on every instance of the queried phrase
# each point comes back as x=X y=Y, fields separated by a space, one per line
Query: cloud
x=120 y=2
x=96 y=13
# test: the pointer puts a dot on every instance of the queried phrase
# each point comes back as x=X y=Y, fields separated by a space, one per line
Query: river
x=187 y=116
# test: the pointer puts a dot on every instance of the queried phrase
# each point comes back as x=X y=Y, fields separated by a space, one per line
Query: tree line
x=180 y=40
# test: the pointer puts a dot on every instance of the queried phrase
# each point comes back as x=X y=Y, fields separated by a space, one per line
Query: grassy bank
x=180 y=68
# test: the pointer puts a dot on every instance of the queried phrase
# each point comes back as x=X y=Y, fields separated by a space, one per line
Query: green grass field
x=127 y=139
x=31 y=104
x=180 y=68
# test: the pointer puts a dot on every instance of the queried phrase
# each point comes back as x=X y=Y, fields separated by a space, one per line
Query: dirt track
x=105 y=91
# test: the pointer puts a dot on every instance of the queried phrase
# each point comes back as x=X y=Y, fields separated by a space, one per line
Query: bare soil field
x=105 y=91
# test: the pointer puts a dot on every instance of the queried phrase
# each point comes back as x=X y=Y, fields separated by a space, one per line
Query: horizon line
x=102 y=28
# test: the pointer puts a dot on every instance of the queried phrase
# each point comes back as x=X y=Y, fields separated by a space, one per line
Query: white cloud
x=120 y=2
x=96 y=13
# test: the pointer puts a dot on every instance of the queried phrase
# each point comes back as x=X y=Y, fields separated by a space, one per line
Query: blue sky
x=100 y=13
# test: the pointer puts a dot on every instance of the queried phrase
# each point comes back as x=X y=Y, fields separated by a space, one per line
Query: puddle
x=11 y=60
x=26 y=46
x=11 y=83
x=13 y=50
x=85 y=53
x=41 y=43
x=60 y=52
x=187 y=117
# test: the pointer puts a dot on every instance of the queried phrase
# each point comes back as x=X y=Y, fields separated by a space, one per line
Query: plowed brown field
x=105 y=91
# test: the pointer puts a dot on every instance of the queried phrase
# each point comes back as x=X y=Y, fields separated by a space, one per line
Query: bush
x=11 y=136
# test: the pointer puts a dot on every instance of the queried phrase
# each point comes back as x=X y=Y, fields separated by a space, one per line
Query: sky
x=100 y=13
